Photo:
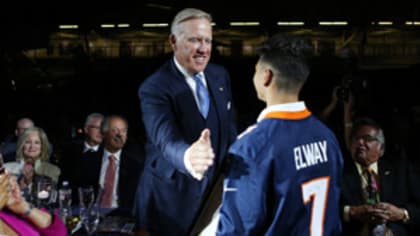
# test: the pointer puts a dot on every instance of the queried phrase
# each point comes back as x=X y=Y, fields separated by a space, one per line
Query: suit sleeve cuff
x=346 y=213
x=406 y=216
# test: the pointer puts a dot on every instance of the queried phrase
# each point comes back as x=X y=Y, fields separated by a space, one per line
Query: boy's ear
x=268 y=77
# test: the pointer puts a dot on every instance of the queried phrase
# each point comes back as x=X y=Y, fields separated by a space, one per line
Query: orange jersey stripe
x=288 y=115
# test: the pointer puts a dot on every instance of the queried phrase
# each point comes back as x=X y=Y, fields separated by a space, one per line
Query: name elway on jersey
x=310 y=154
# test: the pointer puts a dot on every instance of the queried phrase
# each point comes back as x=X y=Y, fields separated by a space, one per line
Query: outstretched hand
x=200 y=155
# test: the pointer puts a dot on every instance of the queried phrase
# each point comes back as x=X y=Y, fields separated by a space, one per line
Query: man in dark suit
x=126 y=165
x=80 y=149
x=188 y=116
x=393 y=200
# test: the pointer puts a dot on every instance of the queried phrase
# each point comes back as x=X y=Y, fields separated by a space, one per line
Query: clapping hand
x=4 y=189
x=200 y=155
x=388 y=212
x=15 y=201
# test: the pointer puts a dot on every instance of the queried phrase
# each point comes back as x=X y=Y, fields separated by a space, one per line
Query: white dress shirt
x=104 y=166
x=87 y=147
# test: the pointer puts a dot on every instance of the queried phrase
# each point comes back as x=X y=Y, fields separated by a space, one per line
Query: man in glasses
x=377 y=193
x=81 y=149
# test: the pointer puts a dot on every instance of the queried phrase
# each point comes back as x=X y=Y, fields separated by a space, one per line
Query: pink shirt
x=23 y=227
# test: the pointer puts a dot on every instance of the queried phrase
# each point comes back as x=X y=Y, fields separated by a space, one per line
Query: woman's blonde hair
x=43 y=156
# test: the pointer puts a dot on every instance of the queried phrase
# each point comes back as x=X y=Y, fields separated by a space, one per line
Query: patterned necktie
x=202 y=95
x=108 y=189
x=372 y=187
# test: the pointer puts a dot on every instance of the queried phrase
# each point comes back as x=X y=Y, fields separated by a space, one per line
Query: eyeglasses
x=93 y=127
x=366 y=138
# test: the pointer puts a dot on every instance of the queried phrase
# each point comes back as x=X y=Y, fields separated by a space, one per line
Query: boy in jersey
x=286 y=169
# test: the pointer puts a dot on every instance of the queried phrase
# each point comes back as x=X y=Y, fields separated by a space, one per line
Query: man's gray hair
x=187 y=14
x=105 y=122
x=92 y=116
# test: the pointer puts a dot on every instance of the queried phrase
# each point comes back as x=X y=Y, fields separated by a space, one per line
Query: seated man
x=115 y=170
x=8 y=148
x=82 y=148
x=378 y=194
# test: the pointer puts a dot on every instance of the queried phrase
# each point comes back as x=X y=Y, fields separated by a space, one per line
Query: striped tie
x=108 y=190
x=202 y=95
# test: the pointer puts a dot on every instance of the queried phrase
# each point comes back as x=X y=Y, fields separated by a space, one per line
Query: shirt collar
x=88 y=147
x=293 y=110
x=116 y=154
x=373 y=167
x=184 y=71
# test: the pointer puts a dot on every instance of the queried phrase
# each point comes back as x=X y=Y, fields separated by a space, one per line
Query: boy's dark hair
x=287 y=56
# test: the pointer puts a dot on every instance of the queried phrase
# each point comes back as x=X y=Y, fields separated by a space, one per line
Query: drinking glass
x=89 y=211
x=46 y=193
x=90 y=218
x=86 y=197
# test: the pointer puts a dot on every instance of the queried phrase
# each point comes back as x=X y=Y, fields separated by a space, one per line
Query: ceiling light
x=385 y=23
x=123 y=25
x=250 y=23
x=146 y=25
x=107 y=26
x=333 y=23
x=412 y=23
x=68 y=26
x=290 y=23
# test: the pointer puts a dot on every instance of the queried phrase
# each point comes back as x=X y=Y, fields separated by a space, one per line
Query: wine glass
x=86 y=197
x=46 y=193
x=90 y=218
x=89 y=211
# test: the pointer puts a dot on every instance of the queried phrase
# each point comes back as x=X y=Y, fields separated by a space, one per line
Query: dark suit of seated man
x=79 y=150
x=378 y=193
x=115 y=180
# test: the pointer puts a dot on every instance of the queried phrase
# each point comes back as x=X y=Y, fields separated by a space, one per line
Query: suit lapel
x=181 y=87
x=385 y=179
x=121 y=172
x=353 y=183
x=217 y=93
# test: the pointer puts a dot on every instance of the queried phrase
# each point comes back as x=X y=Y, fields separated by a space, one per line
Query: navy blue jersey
x=284 y=179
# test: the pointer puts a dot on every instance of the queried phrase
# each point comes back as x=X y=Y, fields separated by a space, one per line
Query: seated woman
x=18 y=217
x=31 y=163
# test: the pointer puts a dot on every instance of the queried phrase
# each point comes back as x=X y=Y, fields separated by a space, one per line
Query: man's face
x=192 y=46
x=116 y=136
x=93 y=132
x=365 y=147
x=22 y=125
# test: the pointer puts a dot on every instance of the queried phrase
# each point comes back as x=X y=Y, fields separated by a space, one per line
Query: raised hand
x=200 y=155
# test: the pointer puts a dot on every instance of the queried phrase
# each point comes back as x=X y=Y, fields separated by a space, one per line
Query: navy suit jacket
x=168 y=197
x=398 y=185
